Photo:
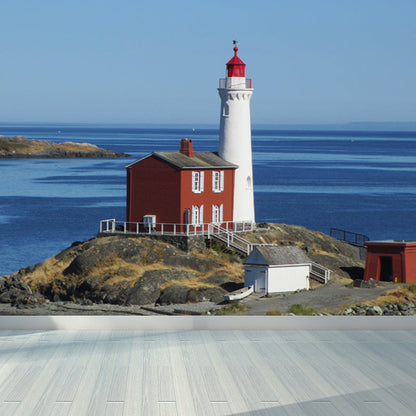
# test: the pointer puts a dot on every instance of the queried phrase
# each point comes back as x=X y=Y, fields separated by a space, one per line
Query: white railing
x=231 y=83
x=111 y=226
x=319 y=273
x=230 y=238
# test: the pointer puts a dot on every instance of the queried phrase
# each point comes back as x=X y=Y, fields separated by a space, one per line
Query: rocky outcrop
x=132 y=271
x=147 y=289
x=21 y=148
x=390 y=309
x=122 y=271
x=17 y=292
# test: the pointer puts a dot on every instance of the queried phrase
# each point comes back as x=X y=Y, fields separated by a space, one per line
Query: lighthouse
x=235 y=135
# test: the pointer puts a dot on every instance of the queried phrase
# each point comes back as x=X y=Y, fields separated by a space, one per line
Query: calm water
x=359 y=181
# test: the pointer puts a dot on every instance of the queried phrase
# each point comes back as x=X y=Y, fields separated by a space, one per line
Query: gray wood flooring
x=183 y=373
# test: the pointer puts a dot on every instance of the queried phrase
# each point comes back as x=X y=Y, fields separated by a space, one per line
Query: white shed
x=277 y=269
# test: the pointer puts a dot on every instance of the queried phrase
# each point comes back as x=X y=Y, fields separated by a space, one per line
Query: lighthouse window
x=197 y=182
x=226 y=110
x=217 y=181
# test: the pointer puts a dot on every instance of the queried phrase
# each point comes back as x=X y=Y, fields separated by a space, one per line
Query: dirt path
x=331 y=296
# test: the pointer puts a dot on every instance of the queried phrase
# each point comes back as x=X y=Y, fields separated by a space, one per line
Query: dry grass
x=114 y=270
x=397 y=295
x=50 y=270
x=273 y=312
x=193 y=283
x=325 y=253
x=114 y=275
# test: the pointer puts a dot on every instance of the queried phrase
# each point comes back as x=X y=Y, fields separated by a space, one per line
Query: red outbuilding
x=391 y=261
x=185 y=187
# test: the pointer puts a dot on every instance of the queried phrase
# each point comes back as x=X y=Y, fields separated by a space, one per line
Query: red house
x=184 y=187
x=391 y=261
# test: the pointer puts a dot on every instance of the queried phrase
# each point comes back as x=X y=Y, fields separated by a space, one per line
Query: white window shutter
x=221 y=180
x=193 y=183
x=213 y=181
x=201 y=182
x=193 y=215
x=201 y=214
x=213 y=214
x=221 y=213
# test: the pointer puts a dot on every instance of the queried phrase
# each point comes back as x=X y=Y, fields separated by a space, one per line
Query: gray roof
x=277 y=255
x=199 y=160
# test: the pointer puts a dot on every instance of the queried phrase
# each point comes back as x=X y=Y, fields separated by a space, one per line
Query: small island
x=19 y=147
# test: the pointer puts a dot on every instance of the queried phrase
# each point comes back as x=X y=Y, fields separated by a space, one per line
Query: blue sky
x=125 y=61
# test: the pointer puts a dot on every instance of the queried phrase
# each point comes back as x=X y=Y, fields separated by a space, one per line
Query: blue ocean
x=360 y=181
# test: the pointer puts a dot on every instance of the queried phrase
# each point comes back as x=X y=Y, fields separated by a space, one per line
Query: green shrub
x=301 y=310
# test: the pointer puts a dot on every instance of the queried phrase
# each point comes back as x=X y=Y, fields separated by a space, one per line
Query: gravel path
x=332 y=295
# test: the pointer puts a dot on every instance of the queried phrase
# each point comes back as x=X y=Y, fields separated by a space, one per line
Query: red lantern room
x=235 y=66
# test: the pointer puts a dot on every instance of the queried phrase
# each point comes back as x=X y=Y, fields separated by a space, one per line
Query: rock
x=129 y=250
x=174 y=294
x=224 y=281
x=88 y=285
x=369 y=284
x=16 y=291
x=212 y=294
x=147 y=289
x=2 y=283
x=182 y=294
x=402 y=307
x=377 y=310
x=5 y=297
x=200 y=264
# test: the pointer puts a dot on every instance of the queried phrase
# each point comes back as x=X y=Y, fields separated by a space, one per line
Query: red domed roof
x=235 y=66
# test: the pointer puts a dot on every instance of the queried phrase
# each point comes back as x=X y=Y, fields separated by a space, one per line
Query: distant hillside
x=20 y=148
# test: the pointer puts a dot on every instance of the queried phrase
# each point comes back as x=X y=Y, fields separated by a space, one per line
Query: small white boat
x=239 y=294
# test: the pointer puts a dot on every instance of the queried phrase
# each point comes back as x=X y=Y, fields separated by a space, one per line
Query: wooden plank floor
x=183 y=373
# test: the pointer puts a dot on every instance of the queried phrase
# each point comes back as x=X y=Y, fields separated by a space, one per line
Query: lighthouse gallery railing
x=230 y=83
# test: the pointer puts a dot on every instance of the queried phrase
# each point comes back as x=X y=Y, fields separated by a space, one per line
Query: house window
x=217 y=181
x=197 y=215
x=197 y=182
x=217 y=214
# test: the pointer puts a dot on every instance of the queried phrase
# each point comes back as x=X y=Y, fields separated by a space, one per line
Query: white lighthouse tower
x=235 y=135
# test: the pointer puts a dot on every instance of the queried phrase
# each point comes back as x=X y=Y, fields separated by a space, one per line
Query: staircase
x=319 y=273
x=230 y=239
x=242 y=246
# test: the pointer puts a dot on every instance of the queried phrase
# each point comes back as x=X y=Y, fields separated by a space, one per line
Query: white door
x=260 y=282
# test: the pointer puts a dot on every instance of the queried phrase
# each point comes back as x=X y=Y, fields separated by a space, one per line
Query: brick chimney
x=186 y=147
